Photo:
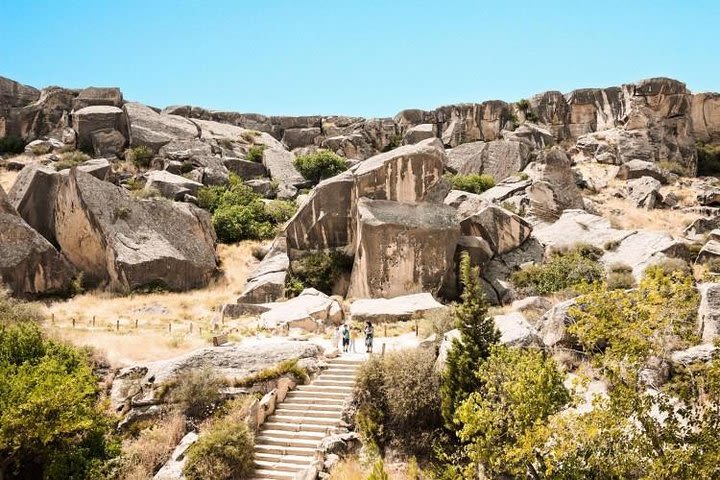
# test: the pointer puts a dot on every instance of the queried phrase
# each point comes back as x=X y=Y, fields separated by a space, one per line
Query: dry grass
x=145 y=454
x=352 y=468
x=154 y=312
x=623 y=215
x=349 y=469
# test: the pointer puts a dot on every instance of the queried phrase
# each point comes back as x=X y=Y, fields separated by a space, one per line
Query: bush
x=238 y=213
x=620 y=277
x=287 y=367
x=472 y=182
x=11 y=144
x=140 y=156
x=255 y=153
x=523 y=104
x=71 y=159
x=708 y=159
x=399 y=401
x=143 y=456
x=565 y=270
x=226 y=452
x=197 y=392
x=519 y=390
x=50 y=425
x=320 y=165
x=318 y=270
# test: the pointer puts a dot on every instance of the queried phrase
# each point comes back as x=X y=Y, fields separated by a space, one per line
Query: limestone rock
x=33 y=196
x=402 y=248
x=88 y=97
x=108 y=142
x=99 y=168
x=171 y=186
x=400 y=308
x=29 y=264
x=643 y=249
x=505 y=189
x=638 y=169
x=709 y=251
x=515 y=330
x=643 y=192
x=552 y=327
x=153 y=130
x=709 y=312
x=578 y=226
x=704 y=352
x=553 y=189
x=279 y=164
x=309 y=311
x=89 y=120
x=300 y=137
x=498 y=158
x=173 y=468
x=128 y=243
x=503 y=230
x=419 y=133
x=245 y=169
x=267 y=282
x=705 y=112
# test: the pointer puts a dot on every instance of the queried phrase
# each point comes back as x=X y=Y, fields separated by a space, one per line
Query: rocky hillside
x=394 y=212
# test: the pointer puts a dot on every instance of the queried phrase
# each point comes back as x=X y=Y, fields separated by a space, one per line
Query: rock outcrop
x=400 y=308
x=130 y=244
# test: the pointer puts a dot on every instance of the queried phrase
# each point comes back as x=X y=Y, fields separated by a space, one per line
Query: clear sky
x=369 y=58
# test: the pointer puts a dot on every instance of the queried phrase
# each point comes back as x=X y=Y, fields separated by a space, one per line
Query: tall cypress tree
x=477 y=334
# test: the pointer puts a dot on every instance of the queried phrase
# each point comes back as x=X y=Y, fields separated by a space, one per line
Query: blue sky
x=369 y=58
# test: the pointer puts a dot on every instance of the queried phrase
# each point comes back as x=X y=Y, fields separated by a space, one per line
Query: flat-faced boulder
x=29 y=264
x=418 y=133
x=553 y=189
x=267 y=282
x=128 y=243
x=245 y=169
x=506 y=189
x=400 y=308
x=515 y=330
x=504 y=158
x=90 y=120
x=709 y=251
x=552 y=327
x=643 y=192
x=309 y=311
x=709 y=312
x=171 y=186
x=503 y=230
x=153 y=129
x=402 y=248
x=108 y=142
x=578 y=226
x=638 y=169
x=87 y=97
x=300 y=137
x=642 y=249
x=33 y=196
x=705 y=113
x=279 y=164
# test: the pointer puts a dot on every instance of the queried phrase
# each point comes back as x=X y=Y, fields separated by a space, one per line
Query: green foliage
x=49 y=424
x=394 y=141
x=318 y=270
x=523 y=104
x=196 y=393
x=677 y=168
x=140 y=156
x=320 y=165
x=472 y=182
x=708 y=159
x=71 y=159
x=477 y=335
x=531 y=116
x=255 y=153
x=287 y=367
x=11 y=144
x=564 y=270
x=378 y=471
x=622 y=328
x=77 y=284
x=238 y=213
x=519 y=390
x=224 y=453
x=398 y=399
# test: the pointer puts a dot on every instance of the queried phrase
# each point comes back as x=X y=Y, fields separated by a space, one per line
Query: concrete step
x=273 y=449
x=346 y=361
x=331 y=382
x=314 y=398
x=283 y=412
x=274 y=466
x=325 y=391
x=332 y=376
x=299 y=404
x=302 y=460
x=302 y=435
x=285 y=441
x=307 y=426
x=309 y=419
x=273 y=474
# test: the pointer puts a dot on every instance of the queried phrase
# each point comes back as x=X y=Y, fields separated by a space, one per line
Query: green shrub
x=287 y=367
x=318 y=270
x=708 y=159
x=239 y=214
x=564 y=270
x=11 y=144
x=196 y=393
x=519 y=390
x=472 y=182
x=320 y=165
x=394 y=141
x=71 y=159
x=523 y=104
x=399 y=400
x=226 y=452
x=675 y=167
x=140 y=156
x=670 y=265
x=255 y=153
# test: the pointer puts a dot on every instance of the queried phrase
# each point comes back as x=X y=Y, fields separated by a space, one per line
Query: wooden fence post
x=117 y=325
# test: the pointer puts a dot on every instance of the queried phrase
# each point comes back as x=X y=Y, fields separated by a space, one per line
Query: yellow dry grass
x=624 y=215
x=352 y=468
x=164 y=319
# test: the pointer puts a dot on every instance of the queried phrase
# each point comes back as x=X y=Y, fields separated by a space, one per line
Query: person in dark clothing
x=346 y=339
x=369 y=333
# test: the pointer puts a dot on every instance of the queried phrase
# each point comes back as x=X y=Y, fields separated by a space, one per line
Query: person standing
x=346 y=338
x=369 y=333
x=337 y=334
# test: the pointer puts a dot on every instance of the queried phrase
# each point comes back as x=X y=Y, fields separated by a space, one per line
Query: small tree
x=320 y=165
x=477 y=335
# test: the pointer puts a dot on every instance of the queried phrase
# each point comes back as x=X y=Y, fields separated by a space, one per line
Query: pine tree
x=477 y=334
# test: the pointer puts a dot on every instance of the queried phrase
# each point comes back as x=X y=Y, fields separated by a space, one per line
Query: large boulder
x=709 y=251
x=578 y=226
x=515 y=330
x=33 y=196
x=643 y=192
x=709 y=312
x=638 y=169
x=419 y=133
x=29 y=264
x=402 y=248
x=503 y=230
x=267 y=282
x=279 y=164
x=245 y=169
x=88 y=97
x=552 y=327
x=309 y=311
x=400 y=308
x=171 y=186
x=128 y=243
x=642 y=249
x=95 y=120
x=553 y=189
x=705 y=113
x=498 y=158
x=154 y=130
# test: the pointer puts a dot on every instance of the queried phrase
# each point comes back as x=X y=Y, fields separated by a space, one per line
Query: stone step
x=331 y=382
x=299 y=404
x=273 y=474
x=309 y=419
x=314 y=398
x=275 y=457
x=286 y=441
x=307 y=426
x=283 y=412
x=302 y=435
x=274 y=466
x=325 y=391
x=332 y=376
x=346 y=361
x=272 y=449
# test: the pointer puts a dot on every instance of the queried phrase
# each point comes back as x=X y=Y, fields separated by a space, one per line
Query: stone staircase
x=287 y=442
